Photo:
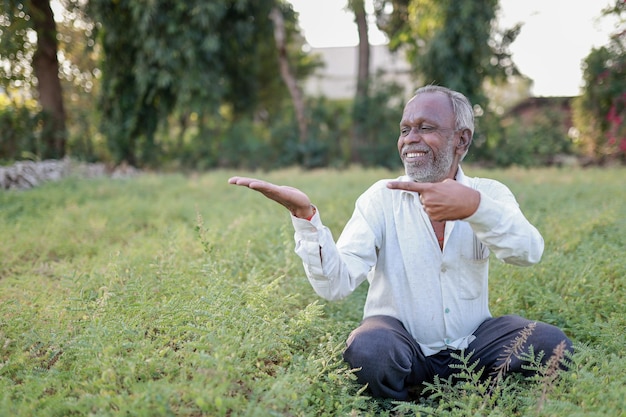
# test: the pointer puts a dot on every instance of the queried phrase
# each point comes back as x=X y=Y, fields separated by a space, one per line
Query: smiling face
x=430 y=147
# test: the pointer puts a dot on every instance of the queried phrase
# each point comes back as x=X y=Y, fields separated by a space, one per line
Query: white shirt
x=440 y=296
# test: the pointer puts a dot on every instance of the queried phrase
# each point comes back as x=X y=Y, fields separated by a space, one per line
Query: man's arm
x=331 y=279
x=500 y=224
x=492 y=212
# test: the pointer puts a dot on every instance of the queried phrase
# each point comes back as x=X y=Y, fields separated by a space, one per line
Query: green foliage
x=534 y=144
x=144 y=55
x=19 y=125
x=196 y=86
x=267 y=144
x=452 y=57
x=379 y=114
x=600 y=111
x=213 y=61
x=181 y=296
x=450 y=43
x=26 y=63
x=16 y=50
x=77 y=71
x=274 y=143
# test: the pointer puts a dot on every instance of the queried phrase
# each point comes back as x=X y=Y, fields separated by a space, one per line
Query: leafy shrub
x=600 y=111
x=20 y=127
x=535 y=144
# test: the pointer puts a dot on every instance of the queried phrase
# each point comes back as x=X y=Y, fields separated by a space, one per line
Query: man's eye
x=405 y=131
x=426 y=129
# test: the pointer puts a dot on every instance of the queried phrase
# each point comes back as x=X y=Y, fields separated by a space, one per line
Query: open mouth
x=414 y=155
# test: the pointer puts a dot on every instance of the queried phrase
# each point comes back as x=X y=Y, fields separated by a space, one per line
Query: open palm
x=297 y=202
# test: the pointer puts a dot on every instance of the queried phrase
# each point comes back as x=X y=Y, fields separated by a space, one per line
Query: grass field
x=167 y=295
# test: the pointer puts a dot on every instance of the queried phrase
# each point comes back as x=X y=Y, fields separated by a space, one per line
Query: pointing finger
x=409 y=186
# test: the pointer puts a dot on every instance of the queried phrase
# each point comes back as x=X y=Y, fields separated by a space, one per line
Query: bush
x=535 y=144
x=600 y=111
x=20 y=127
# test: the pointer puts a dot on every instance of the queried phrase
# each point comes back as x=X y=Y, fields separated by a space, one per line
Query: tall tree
x=207 y=58
x=137 y=74
x=600 y=112
x=361 y=100
x=450 y=42
x=19 y=19
x=46 y=67
x=287 y=72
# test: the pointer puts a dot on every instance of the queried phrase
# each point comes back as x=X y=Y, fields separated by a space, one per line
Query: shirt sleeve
x=335 y=270
x=502 y=227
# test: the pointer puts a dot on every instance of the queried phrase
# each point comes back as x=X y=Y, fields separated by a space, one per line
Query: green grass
x=170 y=295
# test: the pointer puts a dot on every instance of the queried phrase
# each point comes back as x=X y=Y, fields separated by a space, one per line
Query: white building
x=337 y=78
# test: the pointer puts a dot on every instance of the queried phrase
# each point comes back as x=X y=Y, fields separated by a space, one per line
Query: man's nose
x=413 y=136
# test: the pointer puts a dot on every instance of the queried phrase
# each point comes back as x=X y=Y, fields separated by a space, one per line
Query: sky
x=556 y=36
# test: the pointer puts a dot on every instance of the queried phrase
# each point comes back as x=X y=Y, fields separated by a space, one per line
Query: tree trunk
x=360 y=109
x=287 y=73
x=46 y=67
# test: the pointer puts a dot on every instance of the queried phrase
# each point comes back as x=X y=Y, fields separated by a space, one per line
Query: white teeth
x=415 y=154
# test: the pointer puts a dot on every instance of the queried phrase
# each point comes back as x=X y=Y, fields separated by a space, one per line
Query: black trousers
x=391 y=361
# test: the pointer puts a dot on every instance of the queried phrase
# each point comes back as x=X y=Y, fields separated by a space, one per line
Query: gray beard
x=435 y=172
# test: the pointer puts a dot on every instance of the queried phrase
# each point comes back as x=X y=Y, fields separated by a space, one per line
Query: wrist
x=313 y=211
x=305 y=214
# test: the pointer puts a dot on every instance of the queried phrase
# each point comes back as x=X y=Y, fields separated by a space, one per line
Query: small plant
x=513 y=350
x=202 y=234
x=550 y=372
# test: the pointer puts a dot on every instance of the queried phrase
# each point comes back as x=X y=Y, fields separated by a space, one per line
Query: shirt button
x=447 y=341
x=444 y=269
x=447 y=310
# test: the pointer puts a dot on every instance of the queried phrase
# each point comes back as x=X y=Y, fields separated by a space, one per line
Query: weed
x=513 y=350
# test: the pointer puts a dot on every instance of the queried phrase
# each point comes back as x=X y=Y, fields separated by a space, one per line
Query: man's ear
x=465 y=140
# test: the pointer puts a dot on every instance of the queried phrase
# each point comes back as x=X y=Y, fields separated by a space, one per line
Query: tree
x=449 y=42
x=600 y=112
x=46 y=67
x=19 y=20
x=287 y=72
x=79 y=60
x=211 y=59
x=361 y=102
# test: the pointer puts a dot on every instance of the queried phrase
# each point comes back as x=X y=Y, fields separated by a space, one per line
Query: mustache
x=414 y=148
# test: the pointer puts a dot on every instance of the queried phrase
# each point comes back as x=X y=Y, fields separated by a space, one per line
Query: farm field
x=173 y=295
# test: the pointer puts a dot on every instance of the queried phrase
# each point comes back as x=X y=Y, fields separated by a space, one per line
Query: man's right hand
x=446 y=200
x=293 y=199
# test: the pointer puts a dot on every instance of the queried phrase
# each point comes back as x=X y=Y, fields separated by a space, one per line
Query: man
x=423 y=243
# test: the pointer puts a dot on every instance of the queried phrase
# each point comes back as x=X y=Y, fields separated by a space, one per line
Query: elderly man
x=423 y=243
